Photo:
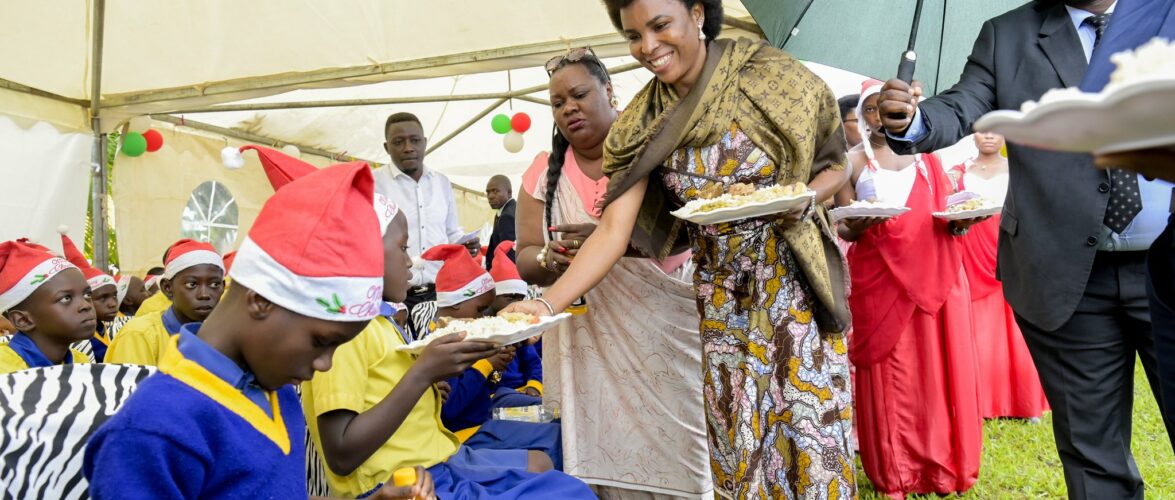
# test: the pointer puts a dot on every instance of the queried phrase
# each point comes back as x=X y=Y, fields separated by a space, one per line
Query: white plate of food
x=507 y=329
x=867 y=209
x=1133 y=112
x=742 y=201
x=968 y=205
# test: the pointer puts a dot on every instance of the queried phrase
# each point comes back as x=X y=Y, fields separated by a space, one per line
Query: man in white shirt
x=425 y=196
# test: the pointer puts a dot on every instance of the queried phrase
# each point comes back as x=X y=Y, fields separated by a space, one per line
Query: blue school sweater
x=185 y=433
x=525 y=371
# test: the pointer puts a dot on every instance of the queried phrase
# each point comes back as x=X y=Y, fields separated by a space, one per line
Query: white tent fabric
x=46 y=176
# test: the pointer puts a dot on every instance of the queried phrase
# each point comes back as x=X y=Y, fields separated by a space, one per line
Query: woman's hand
x=965 y=224
x=794 y=216
x=852 y=228
x=531 y=307
x=572 y=236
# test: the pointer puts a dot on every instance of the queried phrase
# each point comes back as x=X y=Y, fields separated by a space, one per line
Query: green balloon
x=501 y=124
x=134 y=144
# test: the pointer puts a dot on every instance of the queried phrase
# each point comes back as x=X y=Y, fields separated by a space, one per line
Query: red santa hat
x=315 y=247
x=151 y=281
x=228 y=261
x=507 y=281
x=94 y=277
x=281 y=169
x=23 y=269
x=188 y=253
x=460 y=278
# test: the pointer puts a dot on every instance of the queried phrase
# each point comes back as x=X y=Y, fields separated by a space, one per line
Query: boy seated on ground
x=103 y=295
x=522 y=380
x=377 y=410
x=156 y=301
x=193 y=280
x=220 y=420
x=47 y=301
x=466 y=291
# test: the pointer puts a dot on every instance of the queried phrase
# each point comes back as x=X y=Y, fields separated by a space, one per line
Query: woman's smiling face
x=663 y=36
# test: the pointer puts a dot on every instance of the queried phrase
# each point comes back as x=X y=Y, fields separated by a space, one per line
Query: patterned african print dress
x=777 y=391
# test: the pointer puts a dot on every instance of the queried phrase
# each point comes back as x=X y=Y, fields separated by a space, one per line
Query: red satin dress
x=1009 y=385
x=917 y=395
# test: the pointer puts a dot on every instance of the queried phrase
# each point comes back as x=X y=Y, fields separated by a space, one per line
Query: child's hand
x=531 y=391
x=424 y=489
x=444 y=388
x=502 y=359
x=448 y=356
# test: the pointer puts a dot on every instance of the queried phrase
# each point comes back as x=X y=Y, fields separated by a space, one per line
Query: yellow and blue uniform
x=100 y=342
x=143 y=340
x=364 y=371
x=201 y=428
x=155 y=303
x=525 y=371
x=21 y=353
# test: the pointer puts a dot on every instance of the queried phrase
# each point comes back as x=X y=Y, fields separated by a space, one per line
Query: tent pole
x=432 y=147
x=99 y=173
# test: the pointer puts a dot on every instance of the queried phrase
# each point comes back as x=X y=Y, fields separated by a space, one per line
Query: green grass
x=1020 y=459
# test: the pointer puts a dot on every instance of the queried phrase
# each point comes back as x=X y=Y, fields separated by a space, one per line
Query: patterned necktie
x=1099 y=23
x=1125 y=199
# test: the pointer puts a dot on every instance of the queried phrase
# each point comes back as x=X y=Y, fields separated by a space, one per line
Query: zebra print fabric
x=315 y=472
x=46 y=417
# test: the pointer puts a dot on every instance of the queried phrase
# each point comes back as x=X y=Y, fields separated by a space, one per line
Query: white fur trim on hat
x=482 y=284
x=151 y=281
x=335 y=298
x=190 y=259
x=510 y=287
x=29 y=283
x=101 y=280
x=123 y=286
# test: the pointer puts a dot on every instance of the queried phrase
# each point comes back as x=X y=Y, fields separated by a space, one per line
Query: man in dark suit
x=1135 y=23
x=501 y=197
x=1072 y=237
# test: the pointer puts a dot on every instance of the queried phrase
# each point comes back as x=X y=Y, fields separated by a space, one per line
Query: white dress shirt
x=431 y=211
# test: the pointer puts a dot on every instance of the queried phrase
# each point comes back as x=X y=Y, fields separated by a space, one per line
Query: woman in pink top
x=626 y=374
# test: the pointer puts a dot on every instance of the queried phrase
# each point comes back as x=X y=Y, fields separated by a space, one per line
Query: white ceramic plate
x=750 y=210
x=865 y=211
x=970 y=214
x=523 y=332
x=1135 y=116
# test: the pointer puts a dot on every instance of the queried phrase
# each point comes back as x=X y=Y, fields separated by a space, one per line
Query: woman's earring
x=701 y=34
x=615 y=102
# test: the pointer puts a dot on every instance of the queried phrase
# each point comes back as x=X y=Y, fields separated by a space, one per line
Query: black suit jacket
x=1053 y=217
x=503 y=231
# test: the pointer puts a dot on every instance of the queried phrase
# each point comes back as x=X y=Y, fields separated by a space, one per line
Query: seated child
x=131 y=294
x=103 y=295
x=220 y=420
x=522 y=380
x=193 y=279
x=373 y=392
x=47 y=301
x=156 y=301
x=465 y=291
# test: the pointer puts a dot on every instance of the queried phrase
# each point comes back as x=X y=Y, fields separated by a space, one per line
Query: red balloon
x=154 y=140
x=520 y=122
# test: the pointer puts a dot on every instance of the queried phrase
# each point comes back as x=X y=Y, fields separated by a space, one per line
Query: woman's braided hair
x=559 y=143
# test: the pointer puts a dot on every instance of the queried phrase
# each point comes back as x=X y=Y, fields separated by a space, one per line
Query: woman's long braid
x=559 y=146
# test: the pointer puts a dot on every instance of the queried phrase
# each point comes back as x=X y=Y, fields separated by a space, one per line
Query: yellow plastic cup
x=404 y=477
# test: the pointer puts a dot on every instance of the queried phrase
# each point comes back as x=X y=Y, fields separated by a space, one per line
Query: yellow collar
x=197 y=377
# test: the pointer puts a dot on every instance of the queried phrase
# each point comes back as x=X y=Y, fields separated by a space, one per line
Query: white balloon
x=513 y=142
x=140 y=124
x=231 y=158
x=292 y=150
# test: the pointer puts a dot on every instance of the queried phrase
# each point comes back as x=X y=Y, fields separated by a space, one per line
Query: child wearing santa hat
x=522 y=381
x=47 y=301
x=156 y=301
x=374 y=391
x=193 y=280
x=103 y=295
x=221 y=420
x=131 y=294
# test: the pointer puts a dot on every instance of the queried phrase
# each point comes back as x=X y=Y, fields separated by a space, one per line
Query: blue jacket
x=1133 y=23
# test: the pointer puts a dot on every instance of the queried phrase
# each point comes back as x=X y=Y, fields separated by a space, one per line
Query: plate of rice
x=506 y=329
x=867 y=209
x=742 y=201
x=1133 y=112
x=968 y=205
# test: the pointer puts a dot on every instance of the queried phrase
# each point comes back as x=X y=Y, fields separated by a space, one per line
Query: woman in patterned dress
x=770 y=290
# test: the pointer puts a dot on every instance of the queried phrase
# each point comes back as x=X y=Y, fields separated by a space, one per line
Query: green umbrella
x=870 y=37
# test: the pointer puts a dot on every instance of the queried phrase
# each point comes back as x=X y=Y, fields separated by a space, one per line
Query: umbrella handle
x=905 y=74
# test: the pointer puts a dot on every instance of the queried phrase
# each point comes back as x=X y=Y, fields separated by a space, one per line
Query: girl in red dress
x=916 y=390
x=1009 y=385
